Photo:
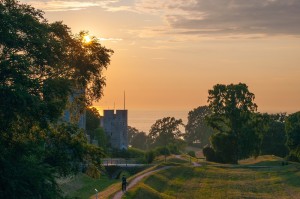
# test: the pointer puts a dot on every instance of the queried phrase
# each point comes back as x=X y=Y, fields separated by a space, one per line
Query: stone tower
x=115 y=126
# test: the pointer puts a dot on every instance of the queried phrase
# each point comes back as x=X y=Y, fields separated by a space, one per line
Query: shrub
x=130 y=153
x=149 y=156
x=93 y=172
x=162 y=151
x=224 y=146
x=191 y=153
x=209 y=153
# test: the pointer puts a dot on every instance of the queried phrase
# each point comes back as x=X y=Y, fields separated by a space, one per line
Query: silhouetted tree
x=197 y=130
x=274 y=140
x=137 y=139
x=41 y=65
x=232 y=109
x=292 y=128
x=92 y=121
x=131 y=131
x=165 y=131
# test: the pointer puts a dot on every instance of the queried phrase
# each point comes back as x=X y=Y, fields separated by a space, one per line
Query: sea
x=144 y=119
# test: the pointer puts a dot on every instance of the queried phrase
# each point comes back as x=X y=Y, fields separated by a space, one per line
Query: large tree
x=292 y=128
x=197 y=130
x=274 y=139
x=41 y=65
x=233 y=111
x=165 y=131
x=137 y=139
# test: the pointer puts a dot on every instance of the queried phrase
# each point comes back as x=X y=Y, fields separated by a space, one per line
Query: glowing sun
x=87 y=39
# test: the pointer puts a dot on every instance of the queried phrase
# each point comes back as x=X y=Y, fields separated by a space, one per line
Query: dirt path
x=195 y=164
x=119 y=194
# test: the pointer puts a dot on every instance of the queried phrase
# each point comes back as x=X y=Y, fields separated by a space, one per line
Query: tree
x=165 y=131
x=232 y=109
x=92 y=121
x=131 y=132
x=137 y=139
x=102 y=138
x=140 y=141
x=292 y=128
x=196 y=130
x=274 y=140
x=41 y=65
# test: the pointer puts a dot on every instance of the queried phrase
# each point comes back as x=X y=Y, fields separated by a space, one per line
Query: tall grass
x=244 y=181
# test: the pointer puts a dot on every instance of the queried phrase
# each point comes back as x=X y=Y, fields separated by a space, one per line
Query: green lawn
x=83 y=186
x=223 y=181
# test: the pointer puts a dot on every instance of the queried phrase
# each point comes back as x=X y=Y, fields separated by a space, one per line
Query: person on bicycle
x=124 y=183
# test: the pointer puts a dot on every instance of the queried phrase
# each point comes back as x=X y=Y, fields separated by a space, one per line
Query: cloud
x=66 y=5
x=110 y=39
x=227 y=17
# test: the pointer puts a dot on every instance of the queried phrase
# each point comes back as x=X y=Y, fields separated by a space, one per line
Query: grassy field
x=83 y=186
x=253 y=178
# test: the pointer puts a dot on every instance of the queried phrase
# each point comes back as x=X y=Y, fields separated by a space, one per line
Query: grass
x=83 y=186
x=242 y=181
x=113 y=188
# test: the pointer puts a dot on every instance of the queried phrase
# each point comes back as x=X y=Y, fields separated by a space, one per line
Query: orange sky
x=169 y=53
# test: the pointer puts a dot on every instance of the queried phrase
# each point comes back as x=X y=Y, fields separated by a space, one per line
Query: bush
x=130 y=153
x=149 y=156
x=93 y=172
x=224 y=146
x=209 y=153
x=191 y=153
x=173 y=148
x=162 y=151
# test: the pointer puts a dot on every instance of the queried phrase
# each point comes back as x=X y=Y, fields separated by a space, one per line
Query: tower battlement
x=115 y=126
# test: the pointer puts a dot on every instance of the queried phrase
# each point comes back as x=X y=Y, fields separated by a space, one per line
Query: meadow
x=264 y=177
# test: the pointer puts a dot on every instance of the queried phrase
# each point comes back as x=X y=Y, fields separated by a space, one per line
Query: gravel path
x=119 y=194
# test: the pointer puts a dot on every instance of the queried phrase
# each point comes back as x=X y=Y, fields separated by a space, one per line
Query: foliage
x=137 y=139
x=165 y=131
x=274 y=140
x=224 y=147
x=162 y=150
x=191 y=153
x=149 y=156
x=93 y=171
x=129 y=153
x=209 y=154
x=101 y=138
x=196 y=130
x=233 y=118
x=292 y=128
x=131 y=131
x=44 y=70
x=92 y=121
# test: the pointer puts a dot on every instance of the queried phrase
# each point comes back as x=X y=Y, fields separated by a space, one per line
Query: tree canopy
x=42 y=64
x=137 y=139
x=92 y=120
x=233 y=117
x=165 y=131
x=274 y=139
x=292 y=127
x=197 y=130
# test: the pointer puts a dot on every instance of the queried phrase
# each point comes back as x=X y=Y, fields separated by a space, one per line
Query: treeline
x=229 y=129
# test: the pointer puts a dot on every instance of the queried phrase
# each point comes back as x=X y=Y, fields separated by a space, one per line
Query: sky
x=169 y=53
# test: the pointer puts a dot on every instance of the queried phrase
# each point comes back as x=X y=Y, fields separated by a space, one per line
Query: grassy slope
x=83 y=186
x=223 y=182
